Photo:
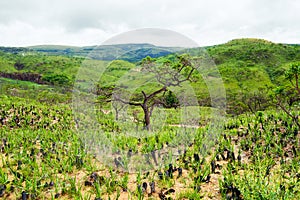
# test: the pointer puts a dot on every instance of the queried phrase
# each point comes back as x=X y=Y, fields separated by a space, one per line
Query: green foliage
x=262 y=177
x=33 y=62
x=57 y=79
x=22 y=113
x=36 y=92
x=171 y=100
x=254 y=51
x=293 y=74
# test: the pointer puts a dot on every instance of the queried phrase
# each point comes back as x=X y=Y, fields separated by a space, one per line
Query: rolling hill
x=247 y=66
x=128 y=52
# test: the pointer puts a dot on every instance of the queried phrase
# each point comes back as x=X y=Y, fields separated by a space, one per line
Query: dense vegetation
x=248 y=68
x=57 y=117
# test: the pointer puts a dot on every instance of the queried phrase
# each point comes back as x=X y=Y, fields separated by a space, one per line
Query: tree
x=117 y=105
x=171 y=101
x=287 y=96
x=256 y=100
x=57 y=79
x=293 y=75
x=168 y=74
x=19 y=65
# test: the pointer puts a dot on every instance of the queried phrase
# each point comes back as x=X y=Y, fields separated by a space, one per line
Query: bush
x=57 y=79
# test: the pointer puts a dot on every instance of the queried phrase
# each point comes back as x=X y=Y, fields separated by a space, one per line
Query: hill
x=128 y=52
x=255 y=52
x=249 y=67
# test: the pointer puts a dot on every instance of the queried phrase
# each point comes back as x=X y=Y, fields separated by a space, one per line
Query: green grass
x=40 y=145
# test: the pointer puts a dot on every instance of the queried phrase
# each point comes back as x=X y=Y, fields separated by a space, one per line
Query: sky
x=95 y=22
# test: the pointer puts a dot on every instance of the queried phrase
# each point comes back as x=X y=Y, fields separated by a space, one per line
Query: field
x=63 y=136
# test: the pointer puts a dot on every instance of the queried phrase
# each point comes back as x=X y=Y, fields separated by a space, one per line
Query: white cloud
x=78 y=22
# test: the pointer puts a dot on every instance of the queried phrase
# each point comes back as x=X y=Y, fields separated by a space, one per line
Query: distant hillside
x=14 y=50
x=128 y=52
x=255 y=51
x=249 y=67
x=254 y=54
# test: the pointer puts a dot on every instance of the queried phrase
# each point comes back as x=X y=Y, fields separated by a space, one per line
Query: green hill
x=269 y=56
x=247 y=66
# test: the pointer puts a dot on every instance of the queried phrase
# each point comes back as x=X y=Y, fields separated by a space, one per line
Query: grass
x=47 y=160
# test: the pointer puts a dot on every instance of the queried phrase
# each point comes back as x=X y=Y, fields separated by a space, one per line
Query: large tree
x=167 y=74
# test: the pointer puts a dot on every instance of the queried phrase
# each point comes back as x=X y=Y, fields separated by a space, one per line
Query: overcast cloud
x=91 y=22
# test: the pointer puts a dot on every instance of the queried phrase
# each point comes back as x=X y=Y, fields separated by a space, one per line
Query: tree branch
x=156 y=92
x=295 y=118
x=128 y=102
x=297 y=83
x=144 y=94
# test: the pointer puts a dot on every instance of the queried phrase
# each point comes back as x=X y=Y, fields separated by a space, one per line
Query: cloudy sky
x=91 y=22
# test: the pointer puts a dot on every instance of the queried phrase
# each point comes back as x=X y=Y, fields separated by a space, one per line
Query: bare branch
x=155 y=93
x=144 y=94
x=116 y=98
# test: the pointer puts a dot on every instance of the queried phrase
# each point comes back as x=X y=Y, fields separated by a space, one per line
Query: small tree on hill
x=288 y=96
